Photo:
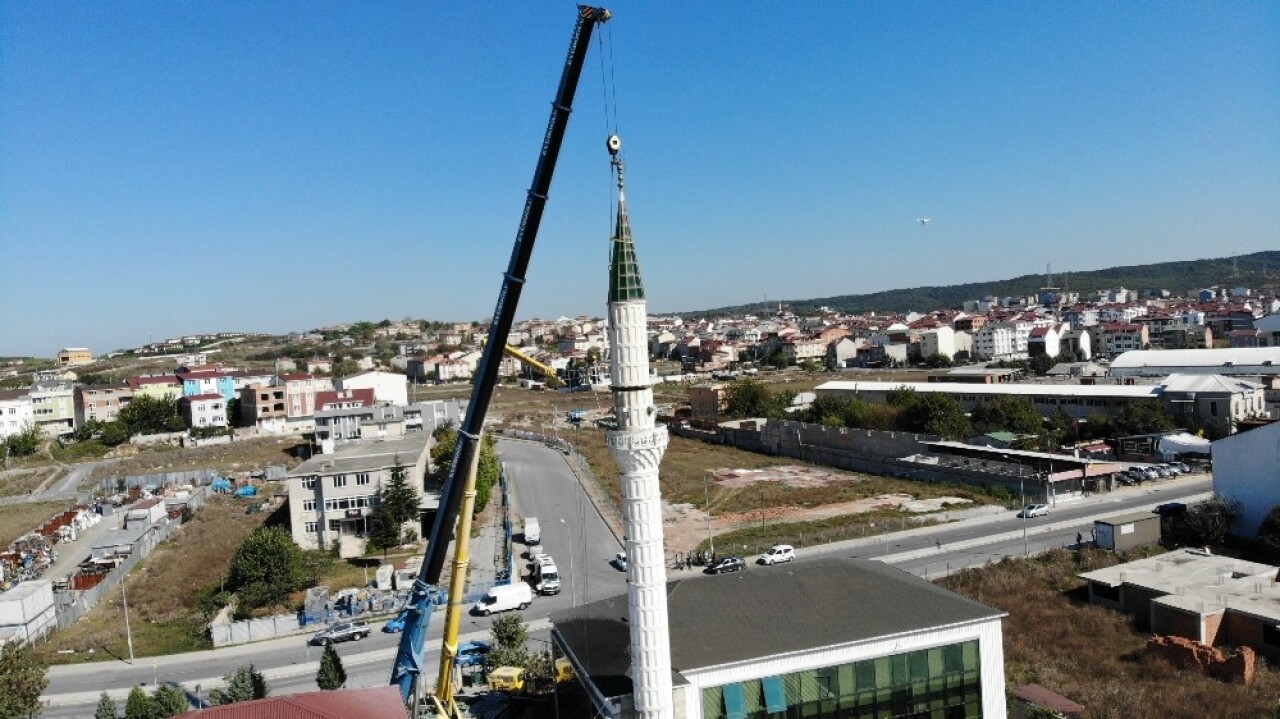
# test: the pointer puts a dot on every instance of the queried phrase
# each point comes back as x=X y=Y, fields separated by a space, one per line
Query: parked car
x=777 y=554
x=546 y=576
x=396 y=624
x=536 y=553
x=341 y=632
x=1034 y=510
x=726 y=564
x=620 y=561
x=471 y=653
x=1186 y=469
x=1170 y=509
x=1162 y=471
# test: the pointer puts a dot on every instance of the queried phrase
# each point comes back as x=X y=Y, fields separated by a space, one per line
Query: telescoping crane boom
x=458 y=494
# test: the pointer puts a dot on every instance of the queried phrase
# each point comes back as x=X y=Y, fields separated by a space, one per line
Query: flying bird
x=924 y=220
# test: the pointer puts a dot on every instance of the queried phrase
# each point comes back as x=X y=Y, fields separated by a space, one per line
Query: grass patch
x=163 y=590
x=757 y=538
x=18 y=519
x=79 y=451
x=237 y=456
x=1092 y=654
x=17 y=485
x=685 y=465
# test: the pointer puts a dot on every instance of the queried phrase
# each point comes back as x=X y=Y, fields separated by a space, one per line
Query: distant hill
x=1260 y=269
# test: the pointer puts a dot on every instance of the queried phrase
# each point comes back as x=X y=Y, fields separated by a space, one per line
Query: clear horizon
x=180 y=169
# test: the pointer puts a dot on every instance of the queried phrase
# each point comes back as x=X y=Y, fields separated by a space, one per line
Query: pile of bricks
x=1209 y=661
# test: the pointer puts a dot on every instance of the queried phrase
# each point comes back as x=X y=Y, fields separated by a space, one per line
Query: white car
x=1034 y=510
x=620 y=561
x=778 y=554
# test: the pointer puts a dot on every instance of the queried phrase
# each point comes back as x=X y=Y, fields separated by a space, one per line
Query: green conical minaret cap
x=624 y=269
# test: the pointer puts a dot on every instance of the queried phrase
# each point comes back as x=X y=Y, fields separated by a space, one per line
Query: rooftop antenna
x=1235 y=265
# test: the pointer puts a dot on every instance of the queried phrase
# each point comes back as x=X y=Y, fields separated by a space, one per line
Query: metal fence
x=111 y=485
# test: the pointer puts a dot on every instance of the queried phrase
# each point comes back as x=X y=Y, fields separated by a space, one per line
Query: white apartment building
x=939 y=340
x=997 y=341
x=54 y=406
x=204 y=410
x=332 y=496
x=392 y=387
x=15 y=412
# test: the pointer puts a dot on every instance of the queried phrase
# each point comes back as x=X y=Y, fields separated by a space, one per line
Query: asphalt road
x=582 y=544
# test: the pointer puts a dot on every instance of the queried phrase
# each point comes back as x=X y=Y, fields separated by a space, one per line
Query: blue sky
x=185 y=167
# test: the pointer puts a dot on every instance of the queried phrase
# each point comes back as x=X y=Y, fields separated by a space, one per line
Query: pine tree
x=331 y=675
x=245 y=685
x=22 y=680
x=140 y=706
x=107 y=708
x=397 y=504
x=170 y=700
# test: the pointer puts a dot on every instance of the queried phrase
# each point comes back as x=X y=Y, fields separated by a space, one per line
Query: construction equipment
x=549 y=375
x=457 y=499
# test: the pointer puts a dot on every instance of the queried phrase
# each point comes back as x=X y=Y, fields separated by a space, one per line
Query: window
x=309 y=482
x=335 y=525
x=362 y=479
x=311 y=527
x=339 y=480
x=308 y=505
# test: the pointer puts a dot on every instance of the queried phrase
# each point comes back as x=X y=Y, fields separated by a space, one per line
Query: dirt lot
x=242 y=455
x=18 y=519
x=162 y=590
x=22 y=483
x=1091 y=654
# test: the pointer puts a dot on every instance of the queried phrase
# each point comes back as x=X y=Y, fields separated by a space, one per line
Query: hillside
x=1259 y=269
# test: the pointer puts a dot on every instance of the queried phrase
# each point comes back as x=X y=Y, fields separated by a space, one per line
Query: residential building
x=804 y=349
x=427 y=416
x=16 y=412
x=264 y=406
x=100 y=402
x=1268 y=329
x=1076 y=343
x=300 y=393
x=1213 y=400
x=1118 y=338
x=343 y=399
x=192 y=359
x=1214 y=600
x=708 y=402
x=843 y=352
x=390 y=387
x=1043 y=341
x=1245 y=469
x=355 y=421
x=204 y=410
x=54 y=407
x=332 y=496
x=74 y=356
x=938 y=341
x=156 y=386
x=838 y=637
x=207 y=381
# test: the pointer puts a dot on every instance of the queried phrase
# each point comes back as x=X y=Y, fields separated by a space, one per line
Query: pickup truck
x=341 y=632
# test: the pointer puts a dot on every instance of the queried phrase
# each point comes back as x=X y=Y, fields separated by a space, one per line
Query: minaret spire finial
x=624 y=270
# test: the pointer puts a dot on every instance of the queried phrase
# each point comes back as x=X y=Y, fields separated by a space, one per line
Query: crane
x=457 y=497
x=548 y=373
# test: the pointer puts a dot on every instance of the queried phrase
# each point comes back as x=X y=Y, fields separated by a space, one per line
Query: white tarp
x=1182 y=443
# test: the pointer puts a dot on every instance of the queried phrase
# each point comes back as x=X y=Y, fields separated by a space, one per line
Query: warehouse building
x=837 y=637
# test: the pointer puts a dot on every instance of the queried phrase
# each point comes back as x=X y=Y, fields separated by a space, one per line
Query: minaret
x=637 y=446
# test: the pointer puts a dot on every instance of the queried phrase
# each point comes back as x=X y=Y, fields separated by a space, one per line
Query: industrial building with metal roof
x=1227 y=361
x=833 y=637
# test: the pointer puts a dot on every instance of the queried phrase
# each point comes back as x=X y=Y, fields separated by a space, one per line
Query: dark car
x=726 y=564
x=1171 y=509
x=342 y=632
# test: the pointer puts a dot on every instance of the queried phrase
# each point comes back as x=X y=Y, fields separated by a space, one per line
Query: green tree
x=488 y=468
x=22 y=681
x=1269 y=531
x=1207 y=523
x=170 y=700
x=1007 y=413
x=233 y=412
x=749 y=398
x=397 y=504
x=539 y=673
x=1041 y=364
x=510 y=640
x=266 y=567
x=938 y=361
x=331 y=675
x=140 y=706
x=1142 y=417
x=107 y=708
x=25 y=442
x=929 y=413
x=113 y=433
x=246 y=684
x=151 y=415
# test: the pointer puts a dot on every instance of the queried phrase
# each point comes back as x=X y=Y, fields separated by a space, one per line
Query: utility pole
x=128 y=634
x=1022 y=491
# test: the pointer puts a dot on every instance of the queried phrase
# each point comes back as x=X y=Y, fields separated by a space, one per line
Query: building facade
x=16 y=413
x=1246 y=467
x=54 y=407
x=332 y=496
x=391 y=387
x=74 y=356
x=100 y=403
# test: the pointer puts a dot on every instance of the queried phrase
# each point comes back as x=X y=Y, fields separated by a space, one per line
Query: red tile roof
x=195 y=397
x=362 y=396
x=374 y=703
x=136 y=382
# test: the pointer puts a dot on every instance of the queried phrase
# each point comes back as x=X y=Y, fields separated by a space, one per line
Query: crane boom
x=458 y=494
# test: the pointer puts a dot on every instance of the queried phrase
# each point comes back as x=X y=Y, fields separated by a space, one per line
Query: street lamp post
x=706 y=503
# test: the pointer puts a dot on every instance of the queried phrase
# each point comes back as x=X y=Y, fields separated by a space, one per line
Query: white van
x=504 y=597
x=532 y=532
x=778 y=554
x=546 y=576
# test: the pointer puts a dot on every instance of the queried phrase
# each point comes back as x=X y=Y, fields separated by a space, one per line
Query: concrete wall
x=1175 y=622
x=1136 y=601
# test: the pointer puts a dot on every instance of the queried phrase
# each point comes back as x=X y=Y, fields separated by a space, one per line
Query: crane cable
x=608 y=87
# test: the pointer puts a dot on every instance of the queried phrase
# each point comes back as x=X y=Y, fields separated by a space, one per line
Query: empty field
x=18 y=519
x=237 y=456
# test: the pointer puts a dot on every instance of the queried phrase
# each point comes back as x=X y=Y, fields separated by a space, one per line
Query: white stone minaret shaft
x=637 y=446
